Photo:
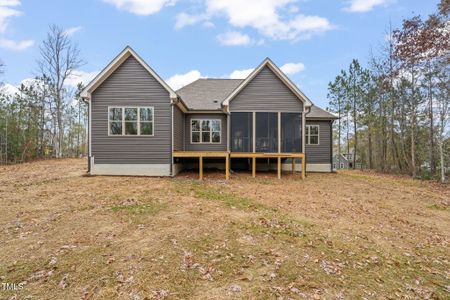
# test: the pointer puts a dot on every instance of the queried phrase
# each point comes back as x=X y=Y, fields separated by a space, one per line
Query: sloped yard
x=333 y=236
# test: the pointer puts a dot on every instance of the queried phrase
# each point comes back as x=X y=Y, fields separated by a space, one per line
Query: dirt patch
x=332 y=236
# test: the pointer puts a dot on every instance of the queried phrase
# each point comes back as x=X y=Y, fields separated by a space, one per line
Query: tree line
x=46 y=117
x=394 y=113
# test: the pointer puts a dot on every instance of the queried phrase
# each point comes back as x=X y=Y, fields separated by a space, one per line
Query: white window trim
x=341 y=165
x=138 y=121
x=210 y=131
x=308 y=135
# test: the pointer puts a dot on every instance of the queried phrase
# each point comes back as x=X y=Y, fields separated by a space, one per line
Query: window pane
x=206 y=125
x=146 y=114
x=291 y=132
x=216 y=137
x=115 y=114
x=314 y=130
x=130 y=114
x=115 y=128
x=206 y=137
x=195 y=125
x=196 y=137
x=306 y=130
x=241 y=132
x=146 y=128
x=131 y=128
x=314 y=140
x=215 y=125
x=266 y=132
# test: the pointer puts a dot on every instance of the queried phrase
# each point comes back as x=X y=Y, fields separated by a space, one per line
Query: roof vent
x=215 y=101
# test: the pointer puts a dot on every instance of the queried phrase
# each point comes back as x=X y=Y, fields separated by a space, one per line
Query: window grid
x=138 y=120
x=202 y=132
x=309 y=134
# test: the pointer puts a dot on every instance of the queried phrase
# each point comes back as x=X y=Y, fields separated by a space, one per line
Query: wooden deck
x=228 y=155
x=201 y=154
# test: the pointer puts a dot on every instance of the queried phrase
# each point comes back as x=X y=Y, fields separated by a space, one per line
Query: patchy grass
x=140 y=209
x=349 y=235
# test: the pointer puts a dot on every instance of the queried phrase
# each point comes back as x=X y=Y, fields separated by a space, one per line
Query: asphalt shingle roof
x=319 y=113
x=208 y=94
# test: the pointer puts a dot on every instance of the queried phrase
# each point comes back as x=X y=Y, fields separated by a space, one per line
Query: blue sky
x=185 y=39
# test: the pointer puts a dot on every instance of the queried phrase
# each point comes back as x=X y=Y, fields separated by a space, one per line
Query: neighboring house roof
x=268 y=63
x=112 y=66
x=207 y=94
x=336 y=156
x=318 y=113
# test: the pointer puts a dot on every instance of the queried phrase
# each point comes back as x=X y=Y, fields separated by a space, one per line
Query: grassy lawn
x=351 y=235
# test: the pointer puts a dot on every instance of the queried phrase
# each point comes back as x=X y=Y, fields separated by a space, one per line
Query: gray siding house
x=138 y=125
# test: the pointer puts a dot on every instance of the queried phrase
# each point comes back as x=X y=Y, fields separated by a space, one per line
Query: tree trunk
x=431 y=132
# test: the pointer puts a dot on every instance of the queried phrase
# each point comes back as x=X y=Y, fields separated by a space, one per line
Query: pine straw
x=347 y=235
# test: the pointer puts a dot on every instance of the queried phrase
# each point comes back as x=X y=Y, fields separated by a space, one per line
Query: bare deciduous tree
x=59 y=58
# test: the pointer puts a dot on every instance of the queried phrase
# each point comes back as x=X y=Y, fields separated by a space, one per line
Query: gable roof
x=117 y=62
x=317 y=113
x=206 y=93
x=268 y=63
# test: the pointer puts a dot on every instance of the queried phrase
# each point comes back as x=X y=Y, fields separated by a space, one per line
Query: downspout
x=331 y=146
x=88 y=102
x=226 y=110
x=306 y=110
x=173 y=101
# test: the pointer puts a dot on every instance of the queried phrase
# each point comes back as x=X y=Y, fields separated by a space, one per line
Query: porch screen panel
x=241 y=132
x=266 y=132
x=291 y=132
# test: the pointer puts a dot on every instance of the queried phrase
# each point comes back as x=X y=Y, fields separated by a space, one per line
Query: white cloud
x=266 y=17
x=184 y=19
x=240 y=74
x=275 y=19
x=72 y=30
x=16 y=45
x=292 y=68
x=361 y=6
x=177 y=81
x=234 y=38
x=78 y=76
x=7 y=10
x=141 y=7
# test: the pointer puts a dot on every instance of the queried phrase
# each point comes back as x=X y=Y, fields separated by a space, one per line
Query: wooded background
x=393 y=113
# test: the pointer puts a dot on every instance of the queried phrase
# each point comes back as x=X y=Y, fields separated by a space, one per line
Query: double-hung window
x=205 y=131
x=131 y=121
x=312 y=134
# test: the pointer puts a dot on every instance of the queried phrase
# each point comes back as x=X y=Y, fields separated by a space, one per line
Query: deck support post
x=253 y=167
x=279 y=167
x=303 y=167
x=227 y=167
x=293 y=165
x=200 y=167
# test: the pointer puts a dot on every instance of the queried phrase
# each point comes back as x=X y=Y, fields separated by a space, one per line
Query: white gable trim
x=112 y=66
x=267 y=62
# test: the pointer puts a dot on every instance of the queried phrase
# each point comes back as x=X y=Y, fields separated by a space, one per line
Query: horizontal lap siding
x=320 y=154
x=205 y=147
x=178 y=129
x=266 y=92
x=131 y=85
